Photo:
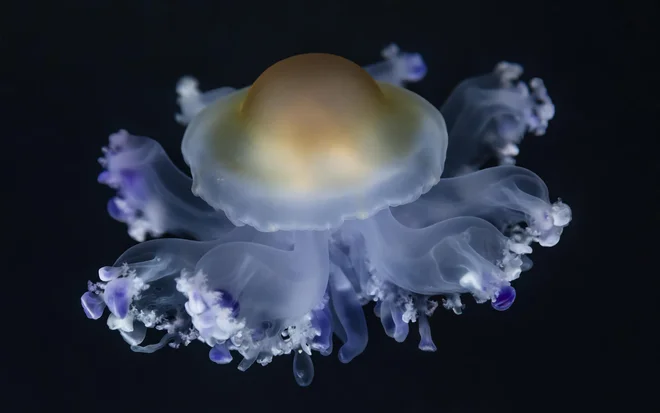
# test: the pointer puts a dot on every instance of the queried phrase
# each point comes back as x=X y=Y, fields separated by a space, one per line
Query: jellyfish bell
x=313 y=142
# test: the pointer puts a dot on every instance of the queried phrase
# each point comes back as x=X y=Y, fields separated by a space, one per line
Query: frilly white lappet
x=322 y=187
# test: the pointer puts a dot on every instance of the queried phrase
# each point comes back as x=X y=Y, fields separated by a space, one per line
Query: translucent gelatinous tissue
x=331 y=206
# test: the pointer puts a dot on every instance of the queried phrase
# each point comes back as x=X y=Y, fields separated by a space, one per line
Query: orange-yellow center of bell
x=313 y=122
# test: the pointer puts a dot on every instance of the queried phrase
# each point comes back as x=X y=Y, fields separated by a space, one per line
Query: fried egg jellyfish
x=318 y=189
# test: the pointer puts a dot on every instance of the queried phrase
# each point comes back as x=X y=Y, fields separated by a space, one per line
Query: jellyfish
x=321 y=188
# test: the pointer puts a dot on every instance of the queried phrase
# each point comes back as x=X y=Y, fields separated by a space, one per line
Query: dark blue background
x=576 y=338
